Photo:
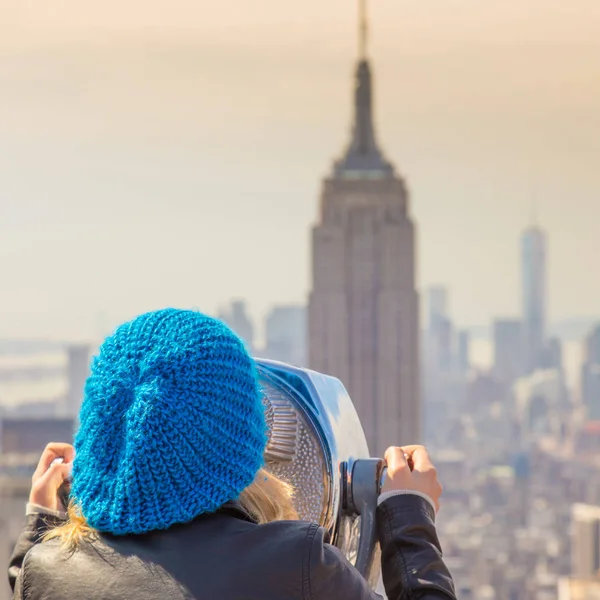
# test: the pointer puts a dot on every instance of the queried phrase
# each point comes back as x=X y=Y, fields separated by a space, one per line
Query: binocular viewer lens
x=317 y=444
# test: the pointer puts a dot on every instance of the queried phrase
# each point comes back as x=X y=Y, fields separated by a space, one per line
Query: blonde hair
x=266 y=499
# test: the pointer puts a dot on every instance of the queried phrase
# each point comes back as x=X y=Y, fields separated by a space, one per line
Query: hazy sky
x=170 y=153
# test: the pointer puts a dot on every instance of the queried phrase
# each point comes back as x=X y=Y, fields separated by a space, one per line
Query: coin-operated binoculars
x=317 y=444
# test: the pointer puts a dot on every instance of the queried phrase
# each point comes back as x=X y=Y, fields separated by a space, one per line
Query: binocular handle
x=366 y=480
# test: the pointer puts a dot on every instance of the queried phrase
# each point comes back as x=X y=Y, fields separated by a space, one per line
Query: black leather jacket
x=227 y=556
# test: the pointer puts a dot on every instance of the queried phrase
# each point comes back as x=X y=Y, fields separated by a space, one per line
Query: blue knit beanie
x=172 y=424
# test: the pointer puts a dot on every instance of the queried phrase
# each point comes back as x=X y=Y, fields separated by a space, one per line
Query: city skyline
x=134 y=133
x=176 y=154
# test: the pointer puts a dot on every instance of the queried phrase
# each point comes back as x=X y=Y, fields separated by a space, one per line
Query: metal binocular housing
x=317 y=444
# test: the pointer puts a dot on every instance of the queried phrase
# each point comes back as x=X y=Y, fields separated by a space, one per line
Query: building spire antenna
x=363 y=154
x=363 y=34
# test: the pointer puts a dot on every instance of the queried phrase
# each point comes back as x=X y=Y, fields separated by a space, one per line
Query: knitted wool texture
x=171 y=426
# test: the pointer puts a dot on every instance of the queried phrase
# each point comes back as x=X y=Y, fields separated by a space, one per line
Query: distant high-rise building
x=78 y=368
x=533 y=266
x=508 y=350
x=521 y=504
x=464 y=351
x=592 y=346
x=552 y=357
x=439 y=333
x=286 y=331
x=585 y=547
x=437 y=306
x=591 y=391
x=541 y=406
x=590 y=375
x=364 y=308
x=236 y=317
x=578 y=589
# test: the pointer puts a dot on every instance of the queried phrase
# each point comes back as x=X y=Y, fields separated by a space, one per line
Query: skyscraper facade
x=464 y=351
x=439 y=333
x=437 y=306
x=585 y=550
x=364 y=308
x=508 y=355
x=590 y=375
x=533 y=268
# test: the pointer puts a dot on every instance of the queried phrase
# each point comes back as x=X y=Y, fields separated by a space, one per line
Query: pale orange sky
x=162 y=153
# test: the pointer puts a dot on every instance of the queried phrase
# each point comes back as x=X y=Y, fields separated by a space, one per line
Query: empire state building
x=364 y=307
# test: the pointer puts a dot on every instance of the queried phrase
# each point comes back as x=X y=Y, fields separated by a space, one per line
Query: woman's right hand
x=410 y=468
x=49 y=477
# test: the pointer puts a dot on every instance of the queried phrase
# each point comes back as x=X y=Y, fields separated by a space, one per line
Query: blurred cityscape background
x=479 y=335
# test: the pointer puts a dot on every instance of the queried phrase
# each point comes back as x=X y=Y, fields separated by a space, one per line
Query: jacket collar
x=235 y=509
